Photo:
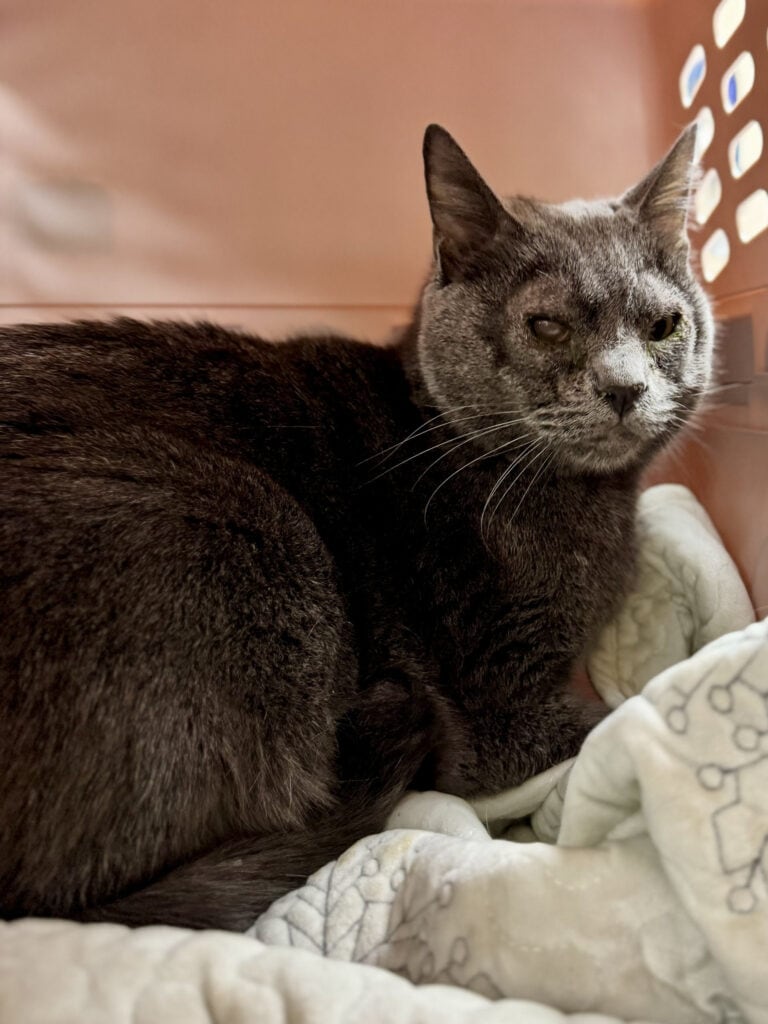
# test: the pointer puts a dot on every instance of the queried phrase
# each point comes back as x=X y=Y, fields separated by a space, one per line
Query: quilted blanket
x=630 y=885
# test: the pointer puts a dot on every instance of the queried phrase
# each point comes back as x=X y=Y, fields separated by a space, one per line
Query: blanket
x=630 y=885
x=651 y=905
x=687 y=592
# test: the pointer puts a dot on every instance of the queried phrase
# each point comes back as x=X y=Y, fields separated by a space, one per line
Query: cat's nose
x=622 y=397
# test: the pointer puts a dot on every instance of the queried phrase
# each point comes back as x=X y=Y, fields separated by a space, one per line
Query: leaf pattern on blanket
x=368 y=908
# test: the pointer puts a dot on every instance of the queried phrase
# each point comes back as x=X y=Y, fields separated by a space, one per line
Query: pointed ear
x=465 y=213
x=662 y=198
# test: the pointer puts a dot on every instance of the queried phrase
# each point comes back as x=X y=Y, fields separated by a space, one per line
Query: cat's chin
x=604 y=455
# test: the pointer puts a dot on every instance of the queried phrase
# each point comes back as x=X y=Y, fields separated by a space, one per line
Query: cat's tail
x=229 y=887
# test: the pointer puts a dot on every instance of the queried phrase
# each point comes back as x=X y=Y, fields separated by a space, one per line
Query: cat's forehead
x=536 y=214
x=590 y=254
x=590 y=226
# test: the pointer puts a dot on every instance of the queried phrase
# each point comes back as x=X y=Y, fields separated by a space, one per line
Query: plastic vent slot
x=706 y=133
x=752 y=215
x=745 y=149
x=692 y=75
x=708 y=195
x=737 y=81
x=715 y=254
x=728 y=15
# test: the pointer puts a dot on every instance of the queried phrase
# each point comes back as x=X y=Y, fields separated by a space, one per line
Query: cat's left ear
x=662 y=198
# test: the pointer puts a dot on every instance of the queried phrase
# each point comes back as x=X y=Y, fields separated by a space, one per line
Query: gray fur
x=250 y=592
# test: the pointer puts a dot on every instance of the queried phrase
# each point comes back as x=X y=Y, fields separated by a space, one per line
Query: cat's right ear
x=465 y=213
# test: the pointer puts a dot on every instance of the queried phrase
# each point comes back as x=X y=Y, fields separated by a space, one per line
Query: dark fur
x=229 y=630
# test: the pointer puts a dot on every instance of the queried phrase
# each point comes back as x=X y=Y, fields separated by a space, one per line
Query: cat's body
x=251 y=592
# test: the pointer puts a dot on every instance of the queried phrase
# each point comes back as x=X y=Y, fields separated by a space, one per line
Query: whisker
x=547 y=462
x=485 y=455
x=674 y=453
x=705 y=447
x=472 y=436
x=421 y=429
x=502 y=477
x=467 y=437
x=542 y=444
x=715 y=389
x=416 y=455
x=463 y=419
x=424 y=428
x=535 y=456
x=689 y=427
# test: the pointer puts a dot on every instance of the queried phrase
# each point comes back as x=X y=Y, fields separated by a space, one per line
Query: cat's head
x=581 y=324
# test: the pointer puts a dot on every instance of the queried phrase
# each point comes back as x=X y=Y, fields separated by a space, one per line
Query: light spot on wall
x=64 y=214
x=715 y=255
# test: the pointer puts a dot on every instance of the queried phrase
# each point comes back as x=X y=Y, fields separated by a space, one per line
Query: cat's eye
x=551 y=331
x=664 y=326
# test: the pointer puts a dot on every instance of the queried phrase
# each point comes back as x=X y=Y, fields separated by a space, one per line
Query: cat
x=252 y=592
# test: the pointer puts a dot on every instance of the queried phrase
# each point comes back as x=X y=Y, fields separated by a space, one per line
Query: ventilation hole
x=737 y=81
x=715 y=254
x=752 y=215
x=706 y=122
x=709 y=194
x=692 y=75
x=728 y=15
x=745 y=149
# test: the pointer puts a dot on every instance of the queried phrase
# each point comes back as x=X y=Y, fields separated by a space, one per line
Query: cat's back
x=129 y=423
x=65 y=377
x=200 y=381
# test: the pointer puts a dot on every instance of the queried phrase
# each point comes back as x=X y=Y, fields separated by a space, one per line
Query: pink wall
x=262 y=166
x=267 y=159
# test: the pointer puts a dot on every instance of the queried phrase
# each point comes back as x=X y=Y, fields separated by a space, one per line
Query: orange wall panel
x=267 y=154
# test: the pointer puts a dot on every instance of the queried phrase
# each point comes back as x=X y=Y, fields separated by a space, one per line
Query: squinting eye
x=549 y=330
x=664 y=326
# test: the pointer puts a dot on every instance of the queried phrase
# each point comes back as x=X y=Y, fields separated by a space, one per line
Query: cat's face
x=579 y=326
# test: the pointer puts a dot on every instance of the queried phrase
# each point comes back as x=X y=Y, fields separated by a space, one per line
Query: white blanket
x=688 y=592
x=653 y=905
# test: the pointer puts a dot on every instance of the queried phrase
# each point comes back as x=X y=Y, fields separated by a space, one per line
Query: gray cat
x=252 y=592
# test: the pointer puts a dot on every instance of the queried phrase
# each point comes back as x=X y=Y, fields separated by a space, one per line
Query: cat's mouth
x=606 y=448
x=593 y=441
